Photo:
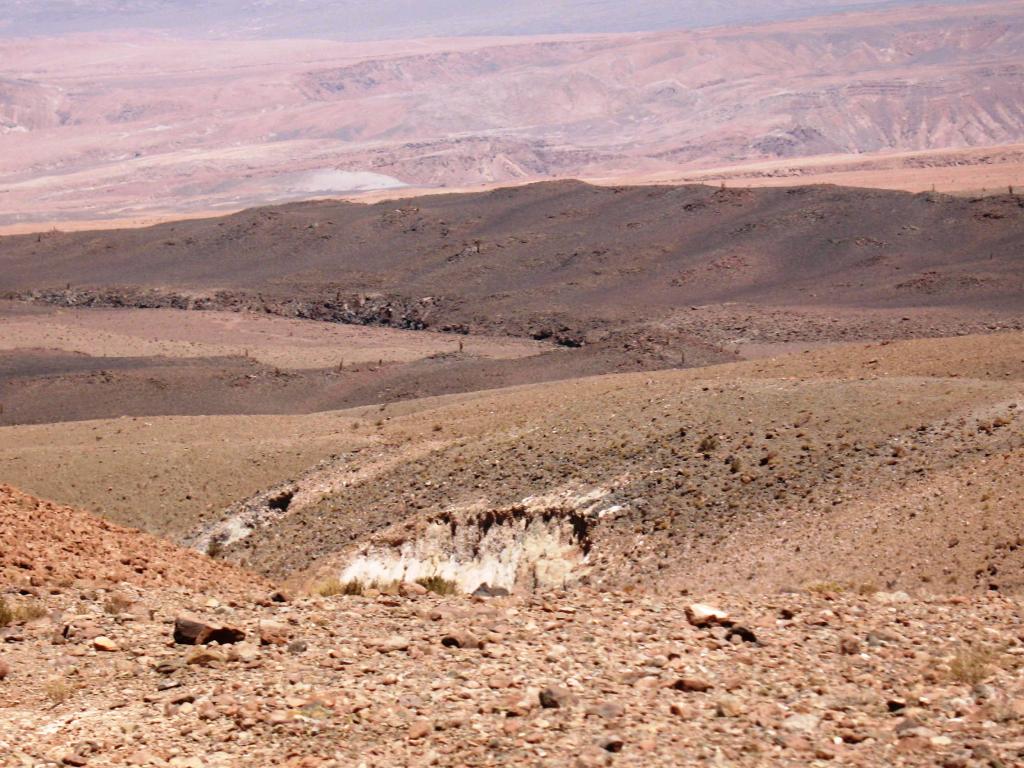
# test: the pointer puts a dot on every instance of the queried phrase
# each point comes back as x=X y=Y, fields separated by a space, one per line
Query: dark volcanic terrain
x=598 y=279
x=549 y=260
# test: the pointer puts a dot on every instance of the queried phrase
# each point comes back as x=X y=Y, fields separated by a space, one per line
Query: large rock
x=192 y=631
x=693 y=684
x=804 y=723
x=412 y=589
x=891 y=598
x=204 y=657
x=105 y=644
x=392 y=644
x=461 y=639
x=701 y=615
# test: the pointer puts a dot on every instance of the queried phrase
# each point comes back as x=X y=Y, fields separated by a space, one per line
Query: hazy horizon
x=395 y=19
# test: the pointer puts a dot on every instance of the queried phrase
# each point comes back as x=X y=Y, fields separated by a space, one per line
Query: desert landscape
x=136 y=124
x=633 y=455
x=516 y=385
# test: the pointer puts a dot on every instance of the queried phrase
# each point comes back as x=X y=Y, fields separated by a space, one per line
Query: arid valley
x=136 y=125
x=511 y=386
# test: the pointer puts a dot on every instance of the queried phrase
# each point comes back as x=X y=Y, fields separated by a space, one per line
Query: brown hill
x=531 y=259
x=641 y=277
x=47 y=545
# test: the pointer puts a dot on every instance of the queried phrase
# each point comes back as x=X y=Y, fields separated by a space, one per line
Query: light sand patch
x=280 y=342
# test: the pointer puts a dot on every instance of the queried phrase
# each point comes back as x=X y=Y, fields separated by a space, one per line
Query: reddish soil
x=49 y=546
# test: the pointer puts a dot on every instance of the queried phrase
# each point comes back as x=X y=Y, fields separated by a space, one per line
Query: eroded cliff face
x=519 y=549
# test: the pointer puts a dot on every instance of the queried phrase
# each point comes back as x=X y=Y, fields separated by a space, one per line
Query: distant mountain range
x=136 y=124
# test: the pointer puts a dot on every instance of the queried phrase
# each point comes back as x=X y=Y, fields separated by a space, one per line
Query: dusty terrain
x=119 y=126
x=274 y=341
x=555 y=261
x=975 y=172
x=772 y=473
x=453 y=475
x=455 y=293
x=89 y=674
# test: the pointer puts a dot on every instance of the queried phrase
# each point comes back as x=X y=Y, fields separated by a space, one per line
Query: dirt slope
x=44 y=385
x=586 y=280
x=161 y=474
x=48 y=545
x=751 y=476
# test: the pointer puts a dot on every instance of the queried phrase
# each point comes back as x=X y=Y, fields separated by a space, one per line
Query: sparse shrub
x=708 y=444
x=19 y=613
x=215 y=548
x=116 y=604
x=57 y=690
x=439 y=585
x=29 y=612
x=353 y=587
x=330 y=588
x=971 y=664
x=825 y=587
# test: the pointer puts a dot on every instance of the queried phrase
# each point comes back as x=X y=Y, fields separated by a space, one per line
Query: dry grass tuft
x=439 y=585
x=117 y=604
x=329 y=588
x=57 y=690
x=825 y=588
x=20 y=613
x=971 y=664
x=354 y=588
x=29 y=612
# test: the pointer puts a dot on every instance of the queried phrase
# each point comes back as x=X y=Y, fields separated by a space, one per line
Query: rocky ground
x=560 y=679
x=901 y=467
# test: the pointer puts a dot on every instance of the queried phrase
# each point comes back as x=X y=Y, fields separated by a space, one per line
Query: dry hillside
x=96 y=669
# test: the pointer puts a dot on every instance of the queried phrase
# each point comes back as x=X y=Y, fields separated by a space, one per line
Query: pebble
x=420 y=728
x=556 y=697
x=105 y=644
